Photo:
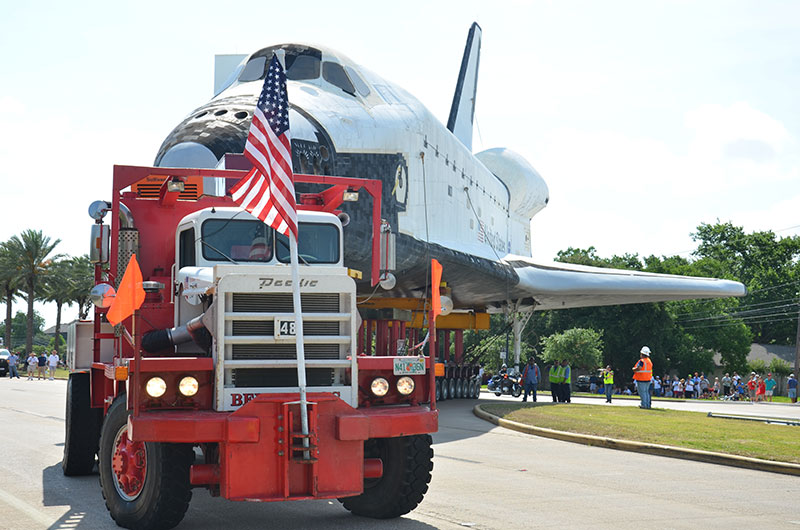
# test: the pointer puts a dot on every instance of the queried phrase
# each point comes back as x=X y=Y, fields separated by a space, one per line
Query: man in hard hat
x=643 y=375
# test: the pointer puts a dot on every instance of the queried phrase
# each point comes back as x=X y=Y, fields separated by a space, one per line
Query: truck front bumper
x=259 y=457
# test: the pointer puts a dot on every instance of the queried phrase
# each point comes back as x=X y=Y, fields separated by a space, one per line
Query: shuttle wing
x=563 y=285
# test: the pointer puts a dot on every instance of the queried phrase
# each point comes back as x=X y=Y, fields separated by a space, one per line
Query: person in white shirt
x=689 y=390
x=52 y=363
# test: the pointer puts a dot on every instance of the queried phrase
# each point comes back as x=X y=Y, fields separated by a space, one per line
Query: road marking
x=29 y=413
x=21 y=506
x=458 y=459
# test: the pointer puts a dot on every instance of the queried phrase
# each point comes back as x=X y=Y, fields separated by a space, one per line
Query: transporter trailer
x=201 y=386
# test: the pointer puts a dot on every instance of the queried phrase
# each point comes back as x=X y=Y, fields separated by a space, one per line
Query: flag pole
x=301 y=353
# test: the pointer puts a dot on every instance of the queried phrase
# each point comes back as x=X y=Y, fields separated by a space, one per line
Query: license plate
x=409 y=366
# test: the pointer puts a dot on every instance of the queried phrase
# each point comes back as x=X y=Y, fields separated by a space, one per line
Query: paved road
x=485 y=477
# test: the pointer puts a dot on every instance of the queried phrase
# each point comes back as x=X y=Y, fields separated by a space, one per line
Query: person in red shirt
x=761 y=389
x=751 y=386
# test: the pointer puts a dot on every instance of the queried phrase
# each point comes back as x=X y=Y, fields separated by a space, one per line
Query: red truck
x=200 y=387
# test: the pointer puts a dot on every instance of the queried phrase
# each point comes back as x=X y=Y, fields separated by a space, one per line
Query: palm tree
x=82 y=275
x=30 y=250
x=58 y=288
x=9 y=287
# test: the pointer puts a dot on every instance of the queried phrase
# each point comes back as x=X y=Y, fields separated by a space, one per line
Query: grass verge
x=693 y=430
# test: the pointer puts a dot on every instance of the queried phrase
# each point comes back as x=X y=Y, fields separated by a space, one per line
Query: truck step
x=301 y=460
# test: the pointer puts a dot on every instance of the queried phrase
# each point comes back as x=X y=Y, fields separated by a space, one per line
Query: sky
x=644 y=118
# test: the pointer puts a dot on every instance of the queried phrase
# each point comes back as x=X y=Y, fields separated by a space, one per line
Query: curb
x=642 y=447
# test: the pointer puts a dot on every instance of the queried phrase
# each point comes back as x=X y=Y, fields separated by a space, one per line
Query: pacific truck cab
x=202 y=386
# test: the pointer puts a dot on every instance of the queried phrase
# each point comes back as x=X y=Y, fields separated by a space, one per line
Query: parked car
x=4 y=362
x=582 y=383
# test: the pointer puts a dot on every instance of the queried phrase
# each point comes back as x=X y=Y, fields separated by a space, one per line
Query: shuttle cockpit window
x=316 y=243
x=302 y=63
x=254 y=69
x=236 y=240
x=359 y=83
x=301 y=67
x=334 y=74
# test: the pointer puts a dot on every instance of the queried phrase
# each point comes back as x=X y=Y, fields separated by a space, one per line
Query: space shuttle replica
x=470 y=211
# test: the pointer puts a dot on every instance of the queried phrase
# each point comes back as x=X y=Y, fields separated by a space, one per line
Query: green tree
x=581 y=347
x=9 y=284
x=58 y=288
x=758 y=366
x=780 y=370
x=770 y=268
x=32 y=252
x=82 y=277
x=19 y=328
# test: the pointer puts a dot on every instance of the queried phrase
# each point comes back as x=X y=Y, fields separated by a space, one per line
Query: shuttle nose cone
x=208 y=133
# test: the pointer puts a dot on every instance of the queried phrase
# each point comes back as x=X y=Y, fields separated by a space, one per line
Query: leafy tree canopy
x=579 y=346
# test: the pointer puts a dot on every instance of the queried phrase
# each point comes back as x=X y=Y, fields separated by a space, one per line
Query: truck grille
x=281 y=377
x=282 y=302
x=251 y=359
x=267 y=328
x=283 y=351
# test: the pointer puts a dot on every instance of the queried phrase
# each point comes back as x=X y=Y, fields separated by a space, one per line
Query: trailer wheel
x=477 y=389
x=145 y=484
x=438 y=391
x=471 y=389
x=81 y=426
x=452 y=389
x=407 y=465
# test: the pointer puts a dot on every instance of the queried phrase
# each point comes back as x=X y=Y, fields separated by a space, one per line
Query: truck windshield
x=236 y=240
x=316 y=243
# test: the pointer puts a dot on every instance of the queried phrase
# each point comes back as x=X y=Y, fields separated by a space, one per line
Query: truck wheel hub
x=129 y=464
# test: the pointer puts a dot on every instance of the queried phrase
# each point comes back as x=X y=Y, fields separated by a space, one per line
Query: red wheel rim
x=129 y=465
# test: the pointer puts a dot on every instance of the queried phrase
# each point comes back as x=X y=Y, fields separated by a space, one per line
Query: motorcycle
x=509 y=385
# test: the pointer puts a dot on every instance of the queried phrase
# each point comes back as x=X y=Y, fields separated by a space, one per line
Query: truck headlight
x=188 y=386
x=156 y=387
x=405 y=385
x=379 y=386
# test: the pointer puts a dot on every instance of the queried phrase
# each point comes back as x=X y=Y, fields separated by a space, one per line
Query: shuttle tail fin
x=463 y=109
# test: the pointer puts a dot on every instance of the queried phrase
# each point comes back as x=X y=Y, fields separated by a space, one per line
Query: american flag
x=267 y=191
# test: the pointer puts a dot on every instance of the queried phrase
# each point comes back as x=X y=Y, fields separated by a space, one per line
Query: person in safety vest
x=555 y=377
x=566 y=381
x=608 y=382
x=643 y=375
x=530 y=378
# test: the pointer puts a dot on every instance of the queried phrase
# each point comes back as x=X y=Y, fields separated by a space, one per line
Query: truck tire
x=452 y=390
x=443 y=385
x=81 y=428
x=149 y=489
x=407 y=465
x=438 y=391
x=471 y=389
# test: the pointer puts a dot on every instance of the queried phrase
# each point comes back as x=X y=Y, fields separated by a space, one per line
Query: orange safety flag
x=130 y=295
x=436 y=280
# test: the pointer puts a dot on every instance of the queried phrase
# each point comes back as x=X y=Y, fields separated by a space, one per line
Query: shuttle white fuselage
x=470 y=211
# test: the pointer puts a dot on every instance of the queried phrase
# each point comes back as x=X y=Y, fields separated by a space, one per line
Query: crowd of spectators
x=698 y=386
